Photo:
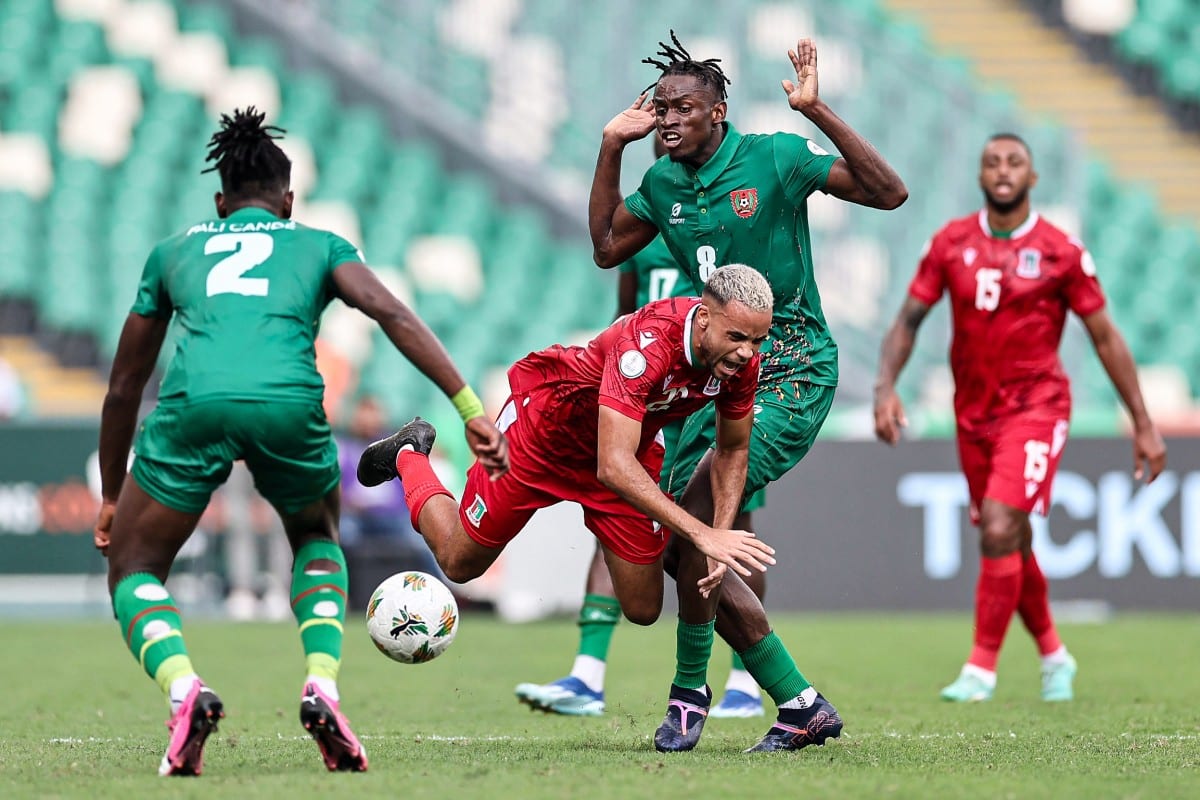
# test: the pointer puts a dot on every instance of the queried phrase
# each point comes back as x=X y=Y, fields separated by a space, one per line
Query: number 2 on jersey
x=249 y=250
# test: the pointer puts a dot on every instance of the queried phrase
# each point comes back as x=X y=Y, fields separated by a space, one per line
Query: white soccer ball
x=412 y=617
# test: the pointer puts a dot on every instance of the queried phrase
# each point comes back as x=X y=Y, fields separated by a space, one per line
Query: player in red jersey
x=1011 y=277
x=583 y=424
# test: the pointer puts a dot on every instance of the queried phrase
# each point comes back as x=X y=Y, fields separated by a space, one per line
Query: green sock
x=693 y=648
x=737 y=662
x=152 y=629
x=772 y=666
x=319 y=603
x=598 y=617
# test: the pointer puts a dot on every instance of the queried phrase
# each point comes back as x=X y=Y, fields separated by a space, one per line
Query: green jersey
x=658 y=274
x=248 y=291
x=747 y=205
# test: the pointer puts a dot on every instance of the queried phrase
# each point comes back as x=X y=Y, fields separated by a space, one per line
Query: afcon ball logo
x=414 y=581
x=448 y=622
x=375 y=601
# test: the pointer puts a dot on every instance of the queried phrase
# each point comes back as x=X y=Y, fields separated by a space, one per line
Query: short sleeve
x=152 y=299
x=1082 y=287
x=631 y=373
x=342 y=252
x=802 y=164
x=930 y=281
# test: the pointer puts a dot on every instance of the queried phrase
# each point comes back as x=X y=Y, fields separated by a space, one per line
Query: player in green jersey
x=723 y=197
x=247 y=290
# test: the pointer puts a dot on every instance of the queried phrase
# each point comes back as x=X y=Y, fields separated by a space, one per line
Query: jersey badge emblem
x=712 y=387
x=476 y=511
x=969 y=254
x=632 y=364
x=744 y=201
x=1029 y=263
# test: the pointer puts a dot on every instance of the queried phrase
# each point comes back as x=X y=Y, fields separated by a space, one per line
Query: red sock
x=420 y=482
x=996 y=598
x=1034 y=607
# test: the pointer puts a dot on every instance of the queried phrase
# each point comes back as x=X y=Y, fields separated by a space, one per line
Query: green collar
x=710 y=169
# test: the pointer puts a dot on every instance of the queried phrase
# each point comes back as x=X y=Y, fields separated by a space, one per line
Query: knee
x=461 y=569
x=642 y=611
x=999 y=536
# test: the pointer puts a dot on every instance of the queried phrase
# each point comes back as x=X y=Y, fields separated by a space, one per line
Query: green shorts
x=671 y=433
x=784 y=432
x=185 y=452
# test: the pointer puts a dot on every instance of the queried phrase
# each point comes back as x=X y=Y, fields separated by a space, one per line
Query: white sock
x=590 y=670
x=986 y=675
x=1059 y=656
x=802 y=700
x=179 y=690
x=326 y=685
x=741 y=681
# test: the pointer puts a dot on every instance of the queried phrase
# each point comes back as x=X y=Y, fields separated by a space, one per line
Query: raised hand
x=489 y=446
x=633 y=123
x=803 y=93
x=889 y=416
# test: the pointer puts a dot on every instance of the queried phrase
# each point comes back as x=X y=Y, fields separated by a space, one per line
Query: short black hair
x=1011 y=137
x=680 y=62
x=248 y=160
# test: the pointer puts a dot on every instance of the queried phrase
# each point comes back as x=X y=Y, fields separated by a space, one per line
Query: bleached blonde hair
x=744 y=284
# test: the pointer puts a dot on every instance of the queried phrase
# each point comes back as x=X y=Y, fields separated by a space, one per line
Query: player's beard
x=1005 y=206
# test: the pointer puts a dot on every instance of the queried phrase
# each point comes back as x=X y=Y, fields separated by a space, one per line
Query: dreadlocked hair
x=680 y=62
x=246 y=156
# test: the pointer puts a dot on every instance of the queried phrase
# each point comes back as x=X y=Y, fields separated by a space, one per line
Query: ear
x=219 y=201
x=1033 y=176
x=718 y=112
x=288 y=200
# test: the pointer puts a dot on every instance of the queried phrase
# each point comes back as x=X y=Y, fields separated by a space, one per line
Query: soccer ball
x=412 y=617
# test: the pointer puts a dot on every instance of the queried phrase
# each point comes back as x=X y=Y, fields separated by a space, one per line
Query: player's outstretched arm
x=358 y=286
x=1149 y=451
x=861 y=175
x=137 y=353
x=617 y=234
x=893 y=355
x=618 y=468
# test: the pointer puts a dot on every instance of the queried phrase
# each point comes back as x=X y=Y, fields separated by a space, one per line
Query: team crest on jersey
x=969 y=254
x=712 y=387
x=1029 y=263
x=744 y=201
x=476 y=511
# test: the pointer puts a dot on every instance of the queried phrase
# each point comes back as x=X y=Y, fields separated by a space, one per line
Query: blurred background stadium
x=453 y=140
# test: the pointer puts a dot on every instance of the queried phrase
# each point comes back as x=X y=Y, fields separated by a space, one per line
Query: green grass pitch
x=81 y=720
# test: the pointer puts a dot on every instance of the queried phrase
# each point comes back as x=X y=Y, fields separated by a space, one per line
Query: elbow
x=604 y=259
x=609 y=475
x=893 y=198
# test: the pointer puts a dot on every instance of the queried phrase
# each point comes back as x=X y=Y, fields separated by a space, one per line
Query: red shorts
x=1013 y=462
x=493 y=512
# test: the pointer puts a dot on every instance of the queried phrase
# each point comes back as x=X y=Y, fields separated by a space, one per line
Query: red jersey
x=642 y=366
x=1009 y=300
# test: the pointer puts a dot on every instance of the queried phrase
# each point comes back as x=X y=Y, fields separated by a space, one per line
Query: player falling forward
x=650 y=275
x=248 y=289
x=1011 y=277
x=583 y=425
